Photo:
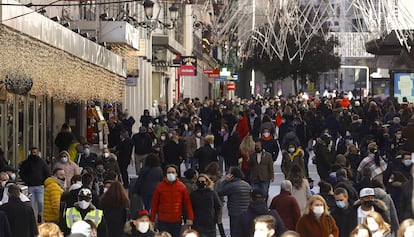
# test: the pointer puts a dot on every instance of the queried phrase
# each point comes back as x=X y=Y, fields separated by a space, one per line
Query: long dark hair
x=115 y=197
x=296 y=176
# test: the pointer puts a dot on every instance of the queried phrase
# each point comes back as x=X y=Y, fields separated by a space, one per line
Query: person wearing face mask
x=109 y=160
x=269 y=143
x=139 y=226
x=406 y=228
x=316 y=220
x=88 y=158
x=402 y=165
x=290 y=156
x=261 y=172
x=374 y=162
x=206 y=154
x=367 y=204
x=84 y=210
x=169 y=200
x=194 y=142
x=377 y=225
x=343 y=212
x=54 y=187
x=407 y=198
x=206 y=206
x=71 y=168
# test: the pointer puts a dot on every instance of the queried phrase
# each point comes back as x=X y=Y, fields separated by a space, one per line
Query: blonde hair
x=163 y=234
x=382 y=225
x=308 y=208
x=247 y=145
x=406 y=223
x=208 y=180
x=49 y=230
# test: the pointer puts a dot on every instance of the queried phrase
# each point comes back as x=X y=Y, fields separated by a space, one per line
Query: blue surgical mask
x=340 y=204
x=407 y=162
x=86 y=151
x=291 y=149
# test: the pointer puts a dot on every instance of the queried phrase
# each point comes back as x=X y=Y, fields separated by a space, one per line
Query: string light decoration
x=56 y=73
x=17 y=82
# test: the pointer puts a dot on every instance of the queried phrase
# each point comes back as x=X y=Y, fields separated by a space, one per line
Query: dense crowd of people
x=204 y=155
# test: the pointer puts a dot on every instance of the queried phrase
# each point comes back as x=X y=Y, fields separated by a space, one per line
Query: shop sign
x=221 y=79
x=131 y=81
x=187 y=70
x=231 y=86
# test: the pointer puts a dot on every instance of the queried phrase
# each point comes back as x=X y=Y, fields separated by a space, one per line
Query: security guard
x=85 y=210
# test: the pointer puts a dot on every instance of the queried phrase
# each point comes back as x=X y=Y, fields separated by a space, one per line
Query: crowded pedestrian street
x=207 y=118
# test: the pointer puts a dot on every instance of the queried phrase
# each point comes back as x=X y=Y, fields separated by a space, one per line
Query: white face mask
x=3 y=183
x=266 y=134
x=260 y=234
x=162 y=138
x=106 y=154
x=105 y=189
x=84 y=204
x=171 y=177
x=143 y=227
x=409 y=231
x=373 y=227
x=318 y=210
x=64 y=159
x=198 y=134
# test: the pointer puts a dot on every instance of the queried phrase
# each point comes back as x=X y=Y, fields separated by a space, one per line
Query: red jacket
x=168 y=201
x=242 y=127
x=287 y=207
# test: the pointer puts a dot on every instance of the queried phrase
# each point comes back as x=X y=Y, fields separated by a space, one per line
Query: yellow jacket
x=53 y=193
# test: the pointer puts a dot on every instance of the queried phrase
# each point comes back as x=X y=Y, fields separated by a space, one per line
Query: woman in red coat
x=316 y=220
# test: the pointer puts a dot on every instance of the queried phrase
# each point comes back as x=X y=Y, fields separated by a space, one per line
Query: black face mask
x=368 y=203
x=201 y=185
x=258 y=150
x=62 y=179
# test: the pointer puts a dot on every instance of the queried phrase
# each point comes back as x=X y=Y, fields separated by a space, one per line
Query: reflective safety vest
x=73 y=215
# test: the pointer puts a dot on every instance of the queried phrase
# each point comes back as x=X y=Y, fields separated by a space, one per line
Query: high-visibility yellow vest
x=73 y=215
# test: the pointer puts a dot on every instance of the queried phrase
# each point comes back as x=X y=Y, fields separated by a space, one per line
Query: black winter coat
x=205 y=155
x=4 y=225
x=342 y=218
x=34 y=171
x=116 y=219
x=21 y=218
x=124 y=151
x=206 y=206
x=149 y=178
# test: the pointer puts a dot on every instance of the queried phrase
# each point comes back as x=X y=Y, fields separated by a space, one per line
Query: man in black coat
x=34 y=171
x=143 y=146
x=257 y=207
x=124 y=150
x=343 y=212
x=19 y=214
x=206 y=154
x=173 y=152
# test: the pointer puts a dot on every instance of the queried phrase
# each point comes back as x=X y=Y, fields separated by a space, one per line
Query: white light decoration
x=17 y=82
x=275 y=20
x=56 y=73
